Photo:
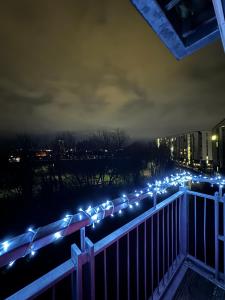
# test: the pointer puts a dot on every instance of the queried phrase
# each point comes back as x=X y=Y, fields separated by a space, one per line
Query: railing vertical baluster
x=205 y=230
x=224 y=237
x=128 y=266
x=216 y=220
x=163 y=240
x=168 y=238
x=154 y=199
x=152 y=259
x=172 y=233
x=82 y=239
x=137 y=262
x=195 y=224
x=105 y=275
x=91 y=257
x=53 y=292
x=158 y=249
x=176 y=230
x=145 y=262
x=117 y=271
x=76 y=256
x=183 y=222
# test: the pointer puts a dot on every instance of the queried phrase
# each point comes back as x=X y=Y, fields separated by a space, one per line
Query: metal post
x=91 y=270
x=220 y=191
x=117 y=270
x=155 y=199
x=76 y=256
x=216 y=226
x=105 y=276
x=205 y=230
x=183 y=232
x=82 y=239
x=145 y=263
x=223 y=199
x=128 y=266
x=137 y=262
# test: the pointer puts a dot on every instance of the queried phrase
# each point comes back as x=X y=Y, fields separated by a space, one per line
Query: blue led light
x=11 y=263
x=57 y=235
x=5 y=245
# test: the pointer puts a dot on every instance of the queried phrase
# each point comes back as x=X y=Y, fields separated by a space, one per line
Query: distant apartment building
x=218 y=146
x=190 y=149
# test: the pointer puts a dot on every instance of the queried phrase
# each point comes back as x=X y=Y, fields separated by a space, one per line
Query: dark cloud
x=68 y=65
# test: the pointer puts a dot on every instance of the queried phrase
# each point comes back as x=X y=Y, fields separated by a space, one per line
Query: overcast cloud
x=84 y=65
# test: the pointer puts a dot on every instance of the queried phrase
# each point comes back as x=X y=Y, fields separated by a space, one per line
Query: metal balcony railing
x=147 y=257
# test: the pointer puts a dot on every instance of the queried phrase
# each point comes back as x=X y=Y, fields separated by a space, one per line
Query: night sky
x=94 y=64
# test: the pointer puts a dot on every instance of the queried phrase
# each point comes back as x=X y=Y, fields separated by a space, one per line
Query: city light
x=214 y=137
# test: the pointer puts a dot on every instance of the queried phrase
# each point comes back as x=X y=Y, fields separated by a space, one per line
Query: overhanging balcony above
x=184 y=26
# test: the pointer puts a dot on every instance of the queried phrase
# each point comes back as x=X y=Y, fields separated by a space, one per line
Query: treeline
x=100 y=159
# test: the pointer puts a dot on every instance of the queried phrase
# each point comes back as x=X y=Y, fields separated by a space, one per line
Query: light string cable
x=68 y=218
x=30 y=245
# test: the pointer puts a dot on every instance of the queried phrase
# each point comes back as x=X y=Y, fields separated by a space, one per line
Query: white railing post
x=223 y=199
x=82 y=239
x=216 y=228
x=77 y=285
x=91 y=269
x=183 y=221
x=154 y=199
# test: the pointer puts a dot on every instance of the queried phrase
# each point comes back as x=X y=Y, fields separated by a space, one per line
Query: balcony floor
x=196 y=287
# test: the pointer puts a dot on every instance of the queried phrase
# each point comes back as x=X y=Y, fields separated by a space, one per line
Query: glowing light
x=130 y=205
x=33 y=253
x=94 y=217
x=11 y=263
x=66 y=218
x=214 y=137
x=120 y=212
x=5 y=245
x=89 y=209
x=136 y=203
x=30 y=229
x=57 y=235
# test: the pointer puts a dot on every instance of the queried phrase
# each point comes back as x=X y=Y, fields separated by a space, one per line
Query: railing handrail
x=43 y=283
x=120 y=232
x=32 y=240
x=51 y=278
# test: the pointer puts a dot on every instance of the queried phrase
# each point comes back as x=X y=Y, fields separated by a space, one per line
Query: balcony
x=171 y=251
x=184 y=26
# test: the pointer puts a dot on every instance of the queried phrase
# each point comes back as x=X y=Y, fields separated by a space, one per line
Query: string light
x=98 y=213
x=57 y=235
x=11 y=263
x=5 y=246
